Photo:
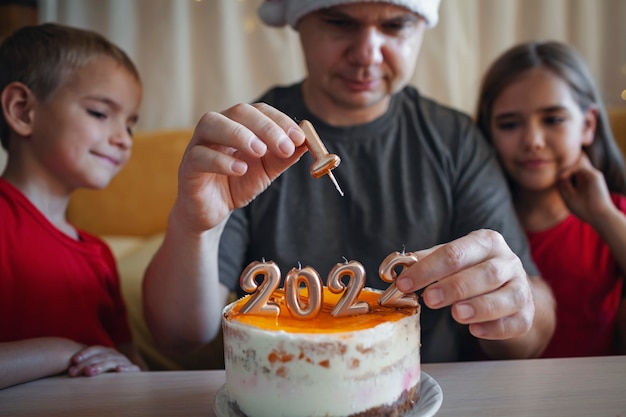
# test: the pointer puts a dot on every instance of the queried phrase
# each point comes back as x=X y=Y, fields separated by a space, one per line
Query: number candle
x=259 y=302
x=311 y=279
x=393 y=297
x=347 y=304
x=324 y=162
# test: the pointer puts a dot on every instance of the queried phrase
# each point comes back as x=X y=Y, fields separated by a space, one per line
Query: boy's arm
x=29 y=359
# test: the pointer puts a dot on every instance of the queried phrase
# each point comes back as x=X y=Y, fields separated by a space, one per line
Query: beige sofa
x=131 y=214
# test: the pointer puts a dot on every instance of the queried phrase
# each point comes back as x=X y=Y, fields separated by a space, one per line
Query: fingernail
x=239 y=167
x=404 y=284
x=433 y=297
x=257 y=146
x=464 y=311
x=478 y=330
x=286 y=146
x=296 y=135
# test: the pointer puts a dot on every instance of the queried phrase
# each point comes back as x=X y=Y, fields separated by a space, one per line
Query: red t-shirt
x=53 y=285
x=587 y=286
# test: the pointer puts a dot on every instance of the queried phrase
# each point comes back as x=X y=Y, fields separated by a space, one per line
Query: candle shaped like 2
x=324 y=161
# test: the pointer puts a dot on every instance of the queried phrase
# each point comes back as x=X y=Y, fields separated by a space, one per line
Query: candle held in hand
x=324 y=162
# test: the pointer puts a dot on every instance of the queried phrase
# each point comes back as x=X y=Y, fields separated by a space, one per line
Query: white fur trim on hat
x=282 y=12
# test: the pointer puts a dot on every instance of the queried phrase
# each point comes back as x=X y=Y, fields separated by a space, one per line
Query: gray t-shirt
x=418 y=176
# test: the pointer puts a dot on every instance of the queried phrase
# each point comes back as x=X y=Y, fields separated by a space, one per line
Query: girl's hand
x=584 y=190
x=95 y=360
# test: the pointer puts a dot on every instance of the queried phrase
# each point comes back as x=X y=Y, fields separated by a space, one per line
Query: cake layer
x=367 y=364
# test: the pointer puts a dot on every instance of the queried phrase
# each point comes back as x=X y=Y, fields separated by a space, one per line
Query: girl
x=539 y=107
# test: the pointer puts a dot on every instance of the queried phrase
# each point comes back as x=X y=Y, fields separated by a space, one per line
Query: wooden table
x=542 y=387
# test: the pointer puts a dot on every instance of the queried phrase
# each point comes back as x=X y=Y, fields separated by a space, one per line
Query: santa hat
x=282 y=12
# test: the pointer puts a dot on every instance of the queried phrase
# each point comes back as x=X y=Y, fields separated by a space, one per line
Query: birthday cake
x=351 y=365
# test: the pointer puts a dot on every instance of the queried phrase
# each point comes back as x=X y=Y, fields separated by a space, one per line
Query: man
x=416 y=175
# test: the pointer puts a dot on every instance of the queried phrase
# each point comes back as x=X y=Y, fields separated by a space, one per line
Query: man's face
x=357 y=55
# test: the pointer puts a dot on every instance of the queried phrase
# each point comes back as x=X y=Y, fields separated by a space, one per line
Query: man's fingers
x=226 y=141
x=446 y=260
x=479 y=279
x=505 y=301
x=275 y=129
x=506 y=327
x=287 y=124
x=217 y=129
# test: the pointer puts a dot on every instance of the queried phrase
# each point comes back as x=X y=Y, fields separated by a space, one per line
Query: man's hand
x=233 y=157
x=481 y=278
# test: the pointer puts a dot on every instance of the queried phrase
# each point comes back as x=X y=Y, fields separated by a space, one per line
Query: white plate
x=430 y=400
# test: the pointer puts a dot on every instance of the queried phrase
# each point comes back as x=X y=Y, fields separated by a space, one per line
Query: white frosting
x=281 y=374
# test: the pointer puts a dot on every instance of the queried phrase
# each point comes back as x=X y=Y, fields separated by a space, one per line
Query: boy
x=69 y=101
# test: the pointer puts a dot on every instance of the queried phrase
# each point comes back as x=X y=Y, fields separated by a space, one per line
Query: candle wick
x=299 y=265
x=335 y=183
x=403 y=249
x=345 y=259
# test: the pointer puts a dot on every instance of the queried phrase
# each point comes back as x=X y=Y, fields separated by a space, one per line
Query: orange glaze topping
x=324 y=322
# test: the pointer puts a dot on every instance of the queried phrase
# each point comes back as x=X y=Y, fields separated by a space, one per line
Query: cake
x=354 y=365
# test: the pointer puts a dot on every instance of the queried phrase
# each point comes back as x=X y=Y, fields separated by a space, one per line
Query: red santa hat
x=282 y=12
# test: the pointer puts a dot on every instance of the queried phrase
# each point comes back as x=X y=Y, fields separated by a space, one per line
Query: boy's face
x=357 y=55
x=82 y=133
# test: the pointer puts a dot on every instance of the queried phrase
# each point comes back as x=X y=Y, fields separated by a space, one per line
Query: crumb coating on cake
x=364 y=365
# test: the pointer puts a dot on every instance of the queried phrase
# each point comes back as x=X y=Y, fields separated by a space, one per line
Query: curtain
x=196 y=56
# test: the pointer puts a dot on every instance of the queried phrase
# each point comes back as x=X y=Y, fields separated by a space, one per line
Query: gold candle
x=393 y=297
x=259 y=302
x=297 y=307
x=324 y=162
x=347 y=304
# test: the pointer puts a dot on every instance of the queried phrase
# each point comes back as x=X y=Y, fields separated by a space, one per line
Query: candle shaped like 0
x=324 y=162
x=311 y=279
x=393 y=297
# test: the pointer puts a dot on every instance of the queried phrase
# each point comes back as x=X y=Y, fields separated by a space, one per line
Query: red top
x=587 y=286
x=53 y=285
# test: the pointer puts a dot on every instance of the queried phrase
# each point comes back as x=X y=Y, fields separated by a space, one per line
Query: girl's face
x=538 y=129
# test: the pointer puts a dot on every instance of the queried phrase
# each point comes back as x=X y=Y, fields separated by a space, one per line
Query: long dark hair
x=567 y=64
